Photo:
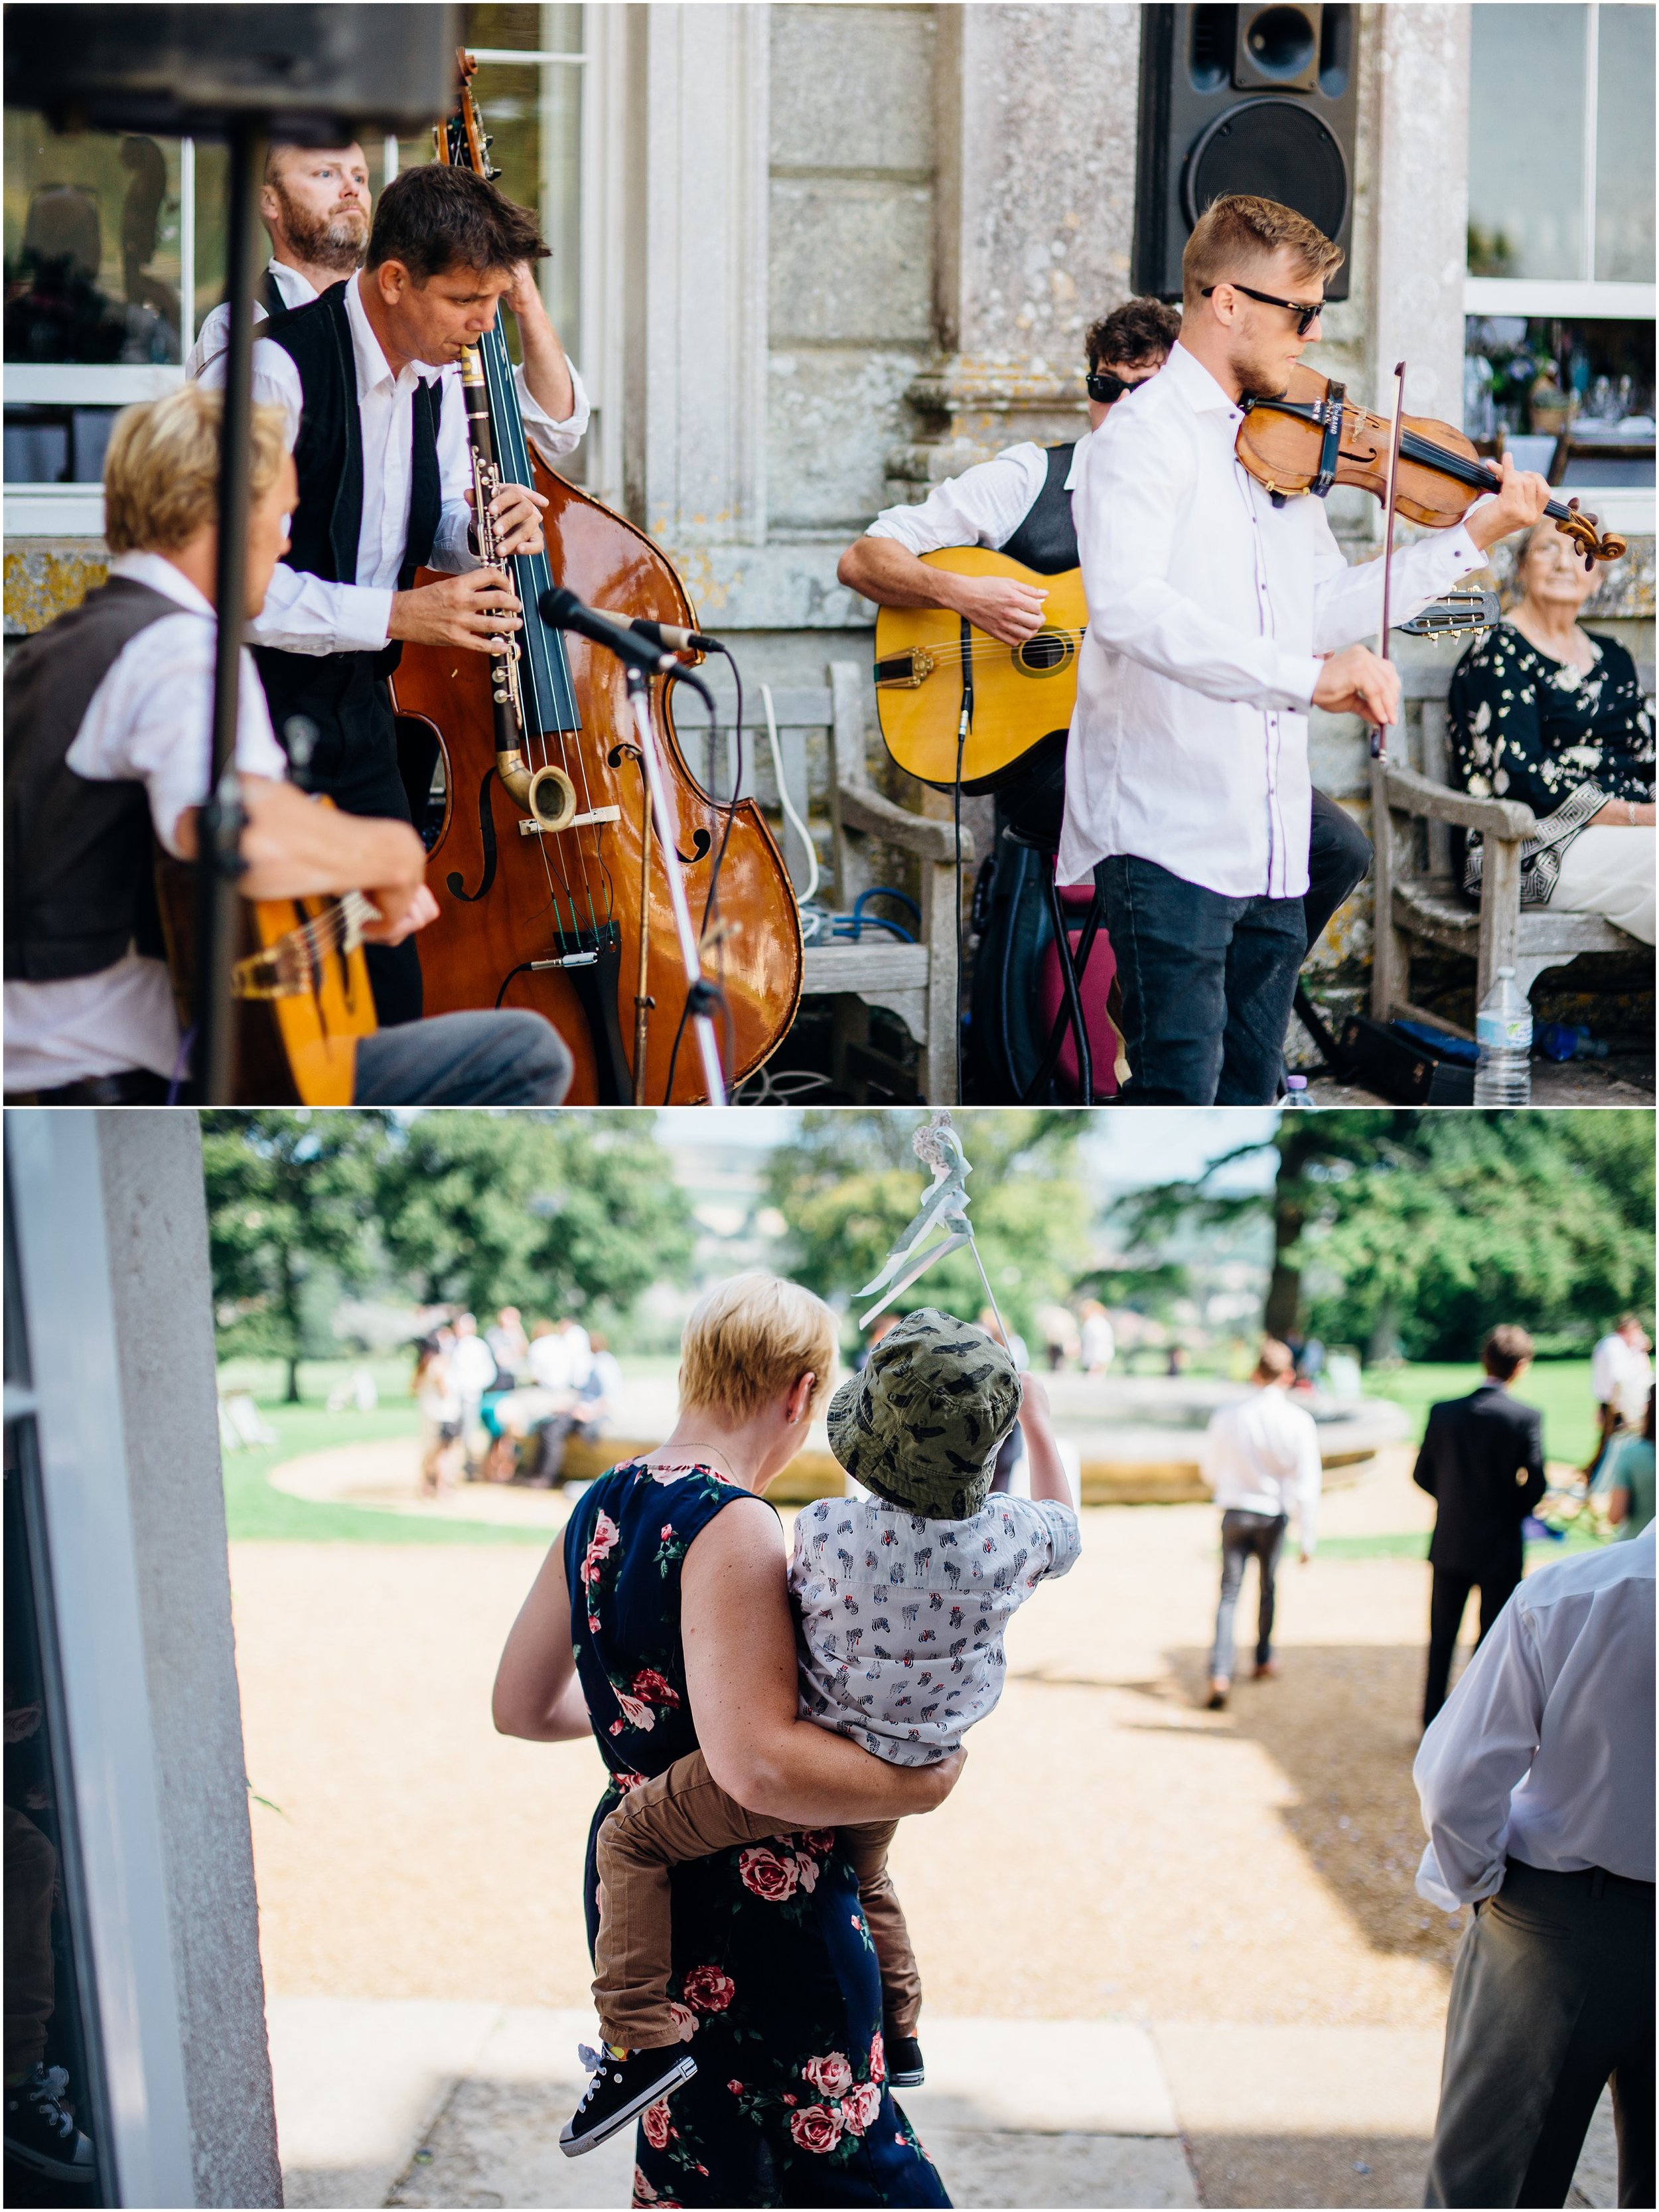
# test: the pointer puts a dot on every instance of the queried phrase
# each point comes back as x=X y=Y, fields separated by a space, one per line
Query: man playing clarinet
x=366 y=375
x=1216 y=621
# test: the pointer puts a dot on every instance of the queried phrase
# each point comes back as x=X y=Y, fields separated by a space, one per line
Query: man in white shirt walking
x=1260 y=1457
x=1621 y=1375
x=1216 y=619
x=1536 y=1782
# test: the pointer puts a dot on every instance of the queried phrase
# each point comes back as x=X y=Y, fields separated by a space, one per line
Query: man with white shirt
x=378 y=434
x=314 y=206
x=108 y=745
x=1216 y=619
x=1536 y=1783
x=1259 y=1458
x=1621 y=1375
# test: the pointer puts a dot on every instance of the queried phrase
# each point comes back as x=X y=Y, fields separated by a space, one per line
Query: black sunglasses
x=1108 y=390
x=1306 y=315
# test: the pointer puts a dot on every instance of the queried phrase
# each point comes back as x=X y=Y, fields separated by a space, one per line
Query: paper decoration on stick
x=943 y=1206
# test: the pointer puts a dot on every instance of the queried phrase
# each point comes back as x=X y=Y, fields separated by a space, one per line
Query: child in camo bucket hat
x=901 y=1598
x=921 y=1426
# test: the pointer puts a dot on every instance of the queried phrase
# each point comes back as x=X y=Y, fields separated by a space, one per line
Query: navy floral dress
x=772 y=1959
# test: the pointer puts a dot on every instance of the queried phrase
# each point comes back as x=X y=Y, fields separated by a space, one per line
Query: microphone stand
x=699 y=994
x=1379 y=734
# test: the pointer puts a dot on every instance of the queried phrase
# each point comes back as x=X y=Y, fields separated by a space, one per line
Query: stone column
x=1036 y=153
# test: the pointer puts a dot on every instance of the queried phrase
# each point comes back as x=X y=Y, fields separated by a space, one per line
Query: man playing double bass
x=365 y=375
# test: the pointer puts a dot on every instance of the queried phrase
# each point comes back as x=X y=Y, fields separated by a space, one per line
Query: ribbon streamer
x=944 y=1206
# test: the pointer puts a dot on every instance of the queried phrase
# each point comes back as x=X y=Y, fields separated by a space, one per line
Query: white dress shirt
x=1261 y=1456
x=1621 y=1376
x=303 y=613
x=151 y=722
x=984 y=506
x=1544 y=1751
x=215 y=334
x=1208 y=609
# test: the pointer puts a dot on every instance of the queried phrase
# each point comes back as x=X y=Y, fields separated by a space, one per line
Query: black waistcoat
x=1047 y=539
x=328 y=456
x=80 y=866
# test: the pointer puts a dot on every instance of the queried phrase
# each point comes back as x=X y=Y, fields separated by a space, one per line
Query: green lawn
x=1559 y=1389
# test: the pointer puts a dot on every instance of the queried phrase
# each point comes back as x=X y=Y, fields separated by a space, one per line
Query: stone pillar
x=1035 y=153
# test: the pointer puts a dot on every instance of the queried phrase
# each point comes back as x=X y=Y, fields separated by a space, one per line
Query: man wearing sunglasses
x=1216 y=620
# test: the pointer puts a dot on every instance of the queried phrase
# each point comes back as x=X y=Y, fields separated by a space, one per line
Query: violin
x=546 y=867
x=1313 y=436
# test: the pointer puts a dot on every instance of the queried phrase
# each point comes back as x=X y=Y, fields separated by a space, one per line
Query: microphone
x=564 y=610
x=668 y=636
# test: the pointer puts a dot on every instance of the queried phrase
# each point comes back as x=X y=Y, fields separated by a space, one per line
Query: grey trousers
x=1244 y=1536
x=509 y=1058
x=1551 y=1997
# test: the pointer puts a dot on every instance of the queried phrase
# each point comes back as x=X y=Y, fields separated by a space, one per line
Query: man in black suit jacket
x=1482 y=1461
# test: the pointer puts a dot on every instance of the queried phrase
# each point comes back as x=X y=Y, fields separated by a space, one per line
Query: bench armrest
x=1495 y=817
x=864 y=808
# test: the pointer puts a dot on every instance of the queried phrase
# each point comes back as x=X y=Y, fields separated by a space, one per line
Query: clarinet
x=548 y=796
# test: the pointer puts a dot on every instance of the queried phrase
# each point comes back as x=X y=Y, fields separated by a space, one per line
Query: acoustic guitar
x=939 y=679
x=299 y=990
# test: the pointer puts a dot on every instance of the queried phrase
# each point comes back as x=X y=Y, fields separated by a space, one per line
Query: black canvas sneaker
x=904 y=2067
x=620 y=2089
x=40 y=2130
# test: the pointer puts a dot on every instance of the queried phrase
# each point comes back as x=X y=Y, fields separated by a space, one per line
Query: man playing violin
x=365 y=375
x=1216 y=621
x=108 y=740
x=1020 y=503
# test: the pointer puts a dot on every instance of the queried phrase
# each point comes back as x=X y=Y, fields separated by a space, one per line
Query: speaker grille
x=1277 y=150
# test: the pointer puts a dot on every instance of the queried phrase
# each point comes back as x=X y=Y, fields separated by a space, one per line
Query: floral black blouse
x=1560 y=740
x=773 y=1962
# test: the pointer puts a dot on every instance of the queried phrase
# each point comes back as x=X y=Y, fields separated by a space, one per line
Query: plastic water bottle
x=1296 y=1091
x=1503 y=1033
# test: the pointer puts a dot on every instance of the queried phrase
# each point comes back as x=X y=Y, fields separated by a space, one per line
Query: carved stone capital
x=969 y=406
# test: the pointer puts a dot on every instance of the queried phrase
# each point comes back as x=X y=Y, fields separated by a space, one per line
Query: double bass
x=546 y=867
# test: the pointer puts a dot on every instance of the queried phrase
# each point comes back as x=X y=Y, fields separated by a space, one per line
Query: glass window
x=1624 y=145
x=1527 y=140
x=92 y=245
x=1535 y=381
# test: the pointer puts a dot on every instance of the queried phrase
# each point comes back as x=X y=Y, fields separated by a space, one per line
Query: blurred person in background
x=1482 y=1461
x=1061 y=1341
x=1259 y=1458
x=1097 y=1346
x=508 y=1346
x=1536 y=1782
x=1621 y=1374
x=1626 y=1479
x=472 y=1367
x=439 y=1404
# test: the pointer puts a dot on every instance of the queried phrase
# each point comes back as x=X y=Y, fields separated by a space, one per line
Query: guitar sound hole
x=1044 y=654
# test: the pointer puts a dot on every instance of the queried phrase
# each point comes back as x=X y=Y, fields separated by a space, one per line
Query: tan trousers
x=682 y=1815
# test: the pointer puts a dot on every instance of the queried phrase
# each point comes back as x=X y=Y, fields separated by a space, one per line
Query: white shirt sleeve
x=1064 y=1531
x=984 y=506
x=1133 y=486
x=1348 y=601
x=303 y=613
x=1309 y=1475
x=151 y=719
x=553 y=440
x=1479 y=1746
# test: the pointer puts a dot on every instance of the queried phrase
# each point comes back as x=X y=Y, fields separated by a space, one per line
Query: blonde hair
x=750 y=1339
x=1239 y=229
x=162 y=472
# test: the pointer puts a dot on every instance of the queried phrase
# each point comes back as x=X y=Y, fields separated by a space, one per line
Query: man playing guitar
x=1019 y=504
x=107 y=749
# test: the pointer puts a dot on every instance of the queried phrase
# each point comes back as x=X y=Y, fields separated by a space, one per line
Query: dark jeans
x=1339 y=854
x=1449 y=1595
x=510 y=1058
x=1551 y=1997
x=1246 y=1536
x=1208 y=983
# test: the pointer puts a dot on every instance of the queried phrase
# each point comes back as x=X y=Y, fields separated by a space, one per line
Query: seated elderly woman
x=1551 y=714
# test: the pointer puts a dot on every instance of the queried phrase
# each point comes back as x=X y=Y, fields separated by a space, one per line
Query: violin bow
x=1379 y=734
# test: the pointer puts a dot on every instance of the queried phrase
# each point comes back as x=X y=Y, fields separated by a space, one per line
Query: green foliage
x=290 y=1191
x=848 y=1185
x=568 y=1212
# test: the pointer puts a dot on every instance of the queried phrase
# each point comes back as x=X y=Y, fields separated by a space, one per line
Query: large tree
x=290 y=1191
x=848 y=1183
x=550 y=1212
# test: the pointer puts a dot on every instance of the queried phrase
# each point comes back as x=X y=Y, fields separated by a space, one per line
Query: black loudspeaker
x=305 y=71
x=1242 y=99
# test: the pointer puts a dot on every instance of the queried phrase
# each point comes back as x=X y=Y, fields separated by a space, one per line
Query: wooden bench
x=1413 y=812
x=917 y=982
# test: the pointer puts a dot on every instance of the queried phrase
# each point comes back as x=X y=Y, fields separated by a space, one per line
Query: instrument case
x=1402 y=1069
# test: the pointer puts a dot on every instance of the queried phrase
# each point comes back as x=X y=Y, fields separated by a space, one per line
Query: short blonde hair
x=162 y=472
x=750 y=1339
x=1236 y=231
